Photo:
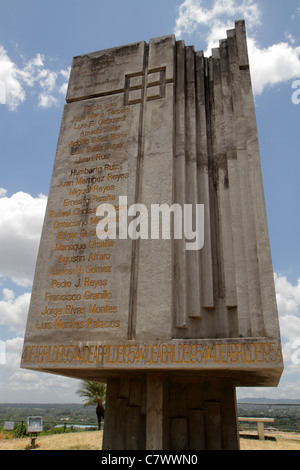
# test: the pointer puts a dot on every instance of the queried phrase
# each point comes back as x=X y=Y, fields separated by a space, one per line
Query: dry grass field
x=93 y=441
x=280 y=444
x=69 y=441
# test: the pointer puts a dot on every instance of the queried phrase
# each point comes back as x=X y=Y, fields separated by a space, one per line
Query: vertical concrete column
x=261 y=430
x=109 y=436
x=154 y=421
x=155 y=263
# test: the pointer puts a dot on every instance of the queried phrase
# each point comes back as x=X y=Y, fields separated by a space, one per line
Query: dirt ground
x=70 y=441
x=281 y=443
x=93 y=441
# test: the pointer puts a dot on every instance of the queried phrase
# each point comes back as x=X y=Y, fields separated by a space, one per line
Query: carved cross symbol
x=155 y=83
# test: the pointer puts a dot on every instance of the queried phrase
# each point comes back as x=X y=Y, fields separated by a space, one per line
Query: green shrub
x=59 y=430
x=20 y=430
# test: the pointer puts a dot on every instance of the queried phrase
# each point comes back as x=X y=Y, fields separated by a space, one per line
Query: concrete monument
x=171 y=327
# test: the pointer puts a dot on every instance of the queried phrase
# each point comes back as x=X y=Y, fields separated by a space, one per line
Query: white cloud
x=46 y=388
x=193 y=13
x=13 y=352
x=46 y=101
x=2 y=92
x=288 y=302
x=13 y=90
x=270 y=66
x=13 y=312
x=50 y=96
x=276 y=64
x=33 y=74
x=32 y=70
x=21 y=219
x=63 y=89
x=290 y=38
x=49 y=81
x=288 y=296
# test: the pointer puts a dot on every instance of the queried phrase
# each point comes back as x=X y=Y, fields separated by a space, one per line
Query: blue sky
x=38 y=39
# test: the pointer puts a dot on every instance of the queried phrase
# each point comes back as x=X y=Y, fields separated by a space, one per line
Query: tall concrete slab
x=148 y=128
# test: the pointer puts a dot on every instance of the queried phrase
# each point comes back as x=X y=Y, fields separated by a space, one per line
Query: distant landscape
x=53 y=414
x=269 y=401
x=286 y=414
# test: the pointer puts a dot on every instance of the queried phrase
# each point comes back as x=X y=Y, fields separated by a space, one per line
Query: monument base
x=170 y=412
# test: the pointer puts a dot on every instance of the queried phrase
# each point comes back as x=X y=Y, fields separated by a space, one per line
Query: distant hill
x=41 y=405
x=268 y=401
x=80 y=405
x=52 y=413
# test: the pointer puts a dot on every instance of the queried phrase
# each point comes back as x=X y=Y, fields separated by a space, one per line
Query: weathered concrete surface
x=170 y=412
x=158 y=123
x=101 y=73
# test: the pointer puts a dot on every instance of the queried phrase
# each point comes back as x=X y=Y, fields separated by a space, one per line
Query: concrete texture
x=163 y=412
x=158 y=123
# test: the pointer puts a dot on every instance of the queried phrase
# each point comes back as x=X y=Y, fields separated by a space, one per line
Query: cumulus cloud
x=49 y=85
x=13 y=311
x=193 y=13
x=13 y=352
x=13 y=93
x=45 y=387
x=288 y=302
x=21 y=219
x=288 y=296
x=270 y=66
x=273 y=65
x=46 y=101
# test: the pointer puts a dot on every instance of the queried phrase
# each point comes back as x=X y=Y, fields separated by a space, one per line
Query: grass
x=279 y=444
x=69 y=441
x=93 y=441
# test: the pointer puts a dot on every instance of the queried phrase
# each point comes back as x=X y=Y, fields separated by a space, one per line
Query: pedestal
x=166 y=412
